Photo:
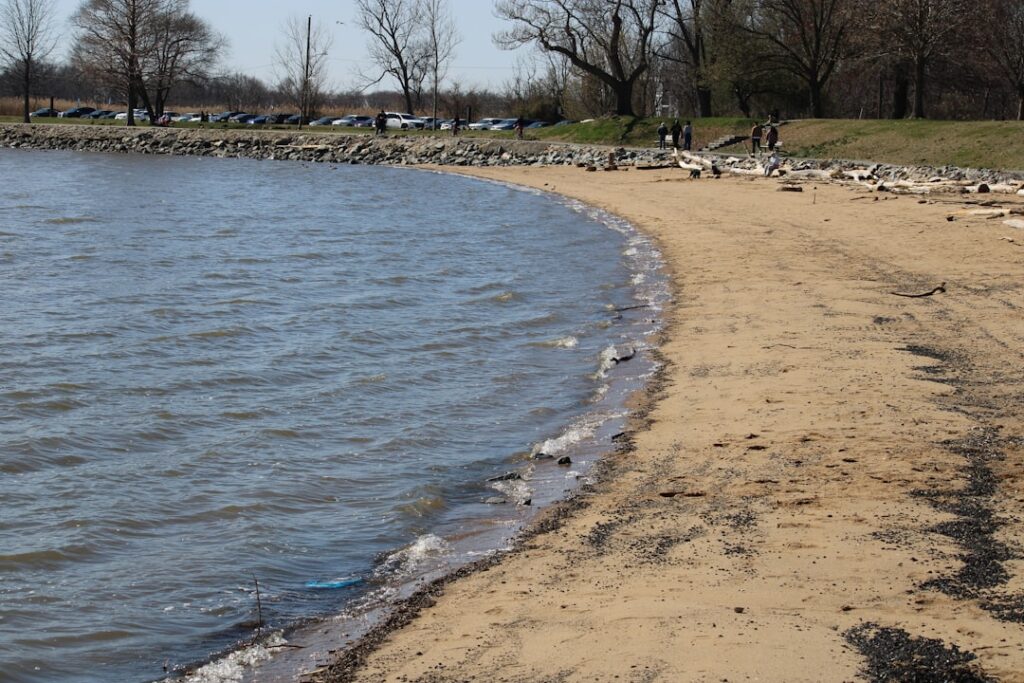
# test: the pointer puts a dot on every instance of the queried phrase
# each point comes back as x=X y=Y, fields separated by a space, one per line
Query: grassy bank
x=975 y=144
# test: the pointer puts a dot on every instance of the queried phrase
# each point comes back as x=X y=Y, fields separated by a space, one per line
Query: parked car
x=403 y=121
x=186 y=118
x=140 y=115
x=295 y=118
x=224 y=116
x=484 y=124
x=565 y=122
x=98 y=114
x=45 y=113
x=76 y=113
x=324 y=121
x=242 y=118
x=354 y=121
x=111 y=115
x=504 y=124
x=539 y=124
x=258 y=120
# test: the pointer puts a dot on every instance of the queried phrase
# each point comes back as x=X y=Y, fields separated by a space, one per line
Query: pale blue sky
x=253 y=27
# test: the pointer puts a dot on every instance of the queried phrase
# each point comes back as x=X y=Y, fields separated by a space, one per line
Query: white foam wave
x=232 y=668
x=568 y=438
x=412 y=557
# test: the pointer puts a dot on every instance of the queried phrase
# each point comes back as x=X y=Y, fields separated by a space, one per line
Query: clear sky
x=254 y=26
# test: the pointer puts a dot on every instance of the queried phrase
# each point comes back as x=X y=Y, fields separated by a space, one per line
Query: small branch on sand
x=287 y=645
x=941 y=288
x=631 y=308
x=259 y=609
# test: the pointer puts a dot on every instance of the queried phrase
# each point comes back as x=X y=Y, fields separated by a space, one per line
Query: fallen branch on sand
x=940 y=288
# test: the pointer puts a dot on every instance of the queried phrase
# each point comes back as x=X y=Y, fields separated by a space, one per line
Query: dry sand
x=827 y=485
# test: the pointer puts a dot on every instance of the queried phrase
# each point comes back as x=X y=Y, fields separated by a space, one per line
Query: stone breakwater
x=410 y=150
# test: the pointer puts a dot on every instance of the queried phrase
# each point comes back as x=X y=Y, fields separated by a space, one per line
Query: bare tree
x=611 y=41
x=920 y=31
x=115 y=40
x=809 y=37
x=26 y=39
x=302 y=63
x=185 y=50
x=1005 y=46
x=441 y=39
x=688 y=30
x=396 y=45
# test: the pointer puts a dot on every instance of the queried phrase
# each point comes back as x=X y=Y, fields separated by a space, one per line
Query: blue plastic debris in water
x=330 y=585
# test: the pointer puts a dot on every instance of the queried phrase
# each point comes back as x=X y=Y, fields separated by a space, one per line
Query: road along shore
x=825 y=485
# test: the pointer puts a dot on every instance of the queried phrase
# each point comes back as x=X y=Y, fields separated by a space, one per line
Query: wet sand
x=826 y=484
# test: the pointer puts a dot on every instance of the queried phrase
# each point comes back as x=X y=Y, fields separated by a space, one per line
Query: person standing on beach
x=773 y=138
x=520 y=125
x=455 y=126
x=687 y=136
x=677 y=130
x=382 y=122
x=755 y=139
x=662 y=132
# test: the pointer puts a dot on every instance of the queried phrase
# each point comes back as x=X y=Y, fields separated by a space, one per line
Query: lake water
x=214 y=372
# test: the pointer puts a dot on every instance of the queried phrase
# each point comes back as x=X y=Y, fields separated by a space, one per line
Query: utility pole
x=304 y=99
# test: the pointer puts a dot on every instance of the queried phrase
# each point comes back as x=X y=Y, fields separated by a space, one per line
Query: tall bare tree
x=920 y=31
x=302 y=63
x=115 y=39
x=1004 y=20
x=396 y=44
x=26 y=39
x=186 y=49
x=688 y=28
x=610 y=40
x=809 y=39
x=441 y=38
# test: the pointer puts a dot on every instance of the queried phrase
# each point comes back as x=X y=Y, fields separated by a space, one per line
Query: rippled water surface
x=212 y=370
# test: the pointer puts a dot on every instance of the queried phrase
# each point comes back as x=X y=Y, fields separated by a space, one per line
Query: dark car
x=294 y=120
x=323 y=121
x=278 y=119
x=225 y=116
x=258 y=120
x=242 y=118
x=565 y=122
x=98 y=114
x=46 y=113
x=361 y=121
x=110 y=115
x=539 y=124
x=76 y=113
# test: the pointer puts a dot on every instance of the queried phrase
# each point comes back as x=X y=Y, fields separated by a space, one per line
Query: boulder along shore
x=824 y=483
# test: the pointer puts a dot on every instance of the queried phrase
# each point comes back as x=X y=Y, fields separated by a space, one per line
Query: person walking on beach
x=755 y=139
x=687 y=136
x=662 y=132
x=773 y=138
x=677 y=130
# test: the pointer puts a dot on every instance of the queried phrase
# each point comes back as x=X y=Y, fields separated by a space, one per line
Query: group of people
x=686 y=132
x=769 y=131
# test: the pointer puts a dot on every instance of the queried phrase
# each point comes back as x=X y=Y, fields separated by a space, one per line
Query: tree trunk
x=919 y=76
x=900 y=89
x=623 y=98
x=1020 y=103
x=408 y=99
x=27 y=84
x=817 y=108
x=704 y=101
x=131 y=101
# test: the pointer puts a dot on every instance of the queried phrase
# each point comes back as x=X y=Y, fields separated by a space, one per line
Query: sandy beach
x=825 y=485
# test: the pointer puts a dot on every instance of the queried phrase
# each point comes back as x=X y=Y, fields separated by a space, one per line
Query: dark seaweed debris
x=894 y=655
x=974 y=530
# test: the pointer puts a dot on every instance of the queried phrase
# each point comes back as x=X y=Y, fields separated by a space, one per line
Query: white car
x=403 y=121
x=484 y=124
x=187 y=118
x=140 y=115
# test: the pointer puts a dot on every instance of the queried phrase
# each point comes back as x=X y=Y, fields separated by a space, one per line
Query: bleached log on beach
x=1015 y=223
x=695 y=159
x=1003 y=188
x=810 y=174
x=981 y=213
x=746 y=171
x=859 y=174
